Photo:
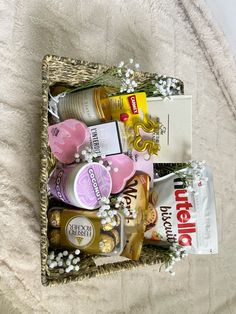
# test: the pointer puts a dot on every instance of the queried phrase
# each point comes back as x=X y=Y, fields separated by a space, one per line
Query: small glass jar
x=90 y=106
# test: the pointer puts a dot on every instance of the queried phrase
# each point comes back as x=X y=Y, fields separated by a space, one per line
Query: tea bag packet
x=135 y=197
x=184 y=211
x=81 y=229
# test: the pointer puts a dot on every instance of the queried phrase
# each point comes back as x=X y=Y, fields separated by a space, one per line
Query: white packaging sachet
x=185 y=212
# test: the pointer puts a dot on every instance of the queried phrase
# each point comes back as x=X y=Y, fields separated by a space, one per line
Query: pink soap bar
x=67 y=138
x=126 y=170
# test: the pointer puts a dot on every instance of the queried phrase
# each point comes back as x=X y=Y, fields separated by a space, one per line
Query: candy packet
x=135 y=197
x=185 y=211
x=71 y=229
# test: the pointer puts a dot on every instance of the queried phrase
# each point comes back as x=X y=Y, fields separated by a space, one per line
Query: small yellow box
x=129 y=108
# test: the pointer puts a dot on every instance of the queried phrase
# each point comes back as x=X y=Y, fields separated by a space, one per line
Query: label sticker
x=80 y=232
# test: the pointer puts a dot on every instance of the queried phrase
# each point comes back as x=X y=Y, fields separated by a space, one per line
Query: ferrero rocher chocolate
x=54 y=218
x=109 y=226
x=54 y=237
x=116 y=235
x=106 y=244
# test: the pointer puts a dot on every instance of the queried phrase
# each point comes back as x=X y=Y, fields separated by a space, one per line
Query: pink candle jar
x=82 y=185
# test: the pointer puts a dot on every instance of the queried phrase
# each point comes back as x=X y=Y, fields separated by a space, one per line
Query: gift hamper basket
x=64 y=74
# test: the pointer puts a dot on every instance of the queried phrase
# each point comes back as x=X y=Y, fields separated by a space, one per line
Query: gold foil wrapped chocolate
x=54 y=238
x=106 y=243
x=54 y=218
x=116 y=235
x=109 y=226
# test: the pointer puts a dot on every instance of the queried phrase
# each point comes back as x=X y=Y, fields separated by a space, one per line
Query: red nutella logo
x=185 y=229
x=183 y=215
x=133 y=104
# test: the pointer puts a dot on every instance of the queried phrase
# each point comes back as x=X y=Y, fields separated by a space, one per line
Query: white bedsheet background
x=174 y=37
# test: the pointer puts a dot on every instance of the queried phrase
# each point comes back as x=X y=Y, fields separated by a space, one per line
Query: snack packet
x=82 y=229
x=135 y=197
x=184 y=214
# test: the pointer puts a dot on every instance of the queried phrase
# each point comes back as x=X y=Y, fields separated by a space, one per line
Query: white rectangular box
x=176 y=117
x=108 y=138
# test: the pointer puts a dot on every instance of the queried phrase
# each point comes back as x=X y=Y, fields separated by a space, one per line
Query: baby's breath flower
x=120 y=198
x=62 y=262
x=121 y=64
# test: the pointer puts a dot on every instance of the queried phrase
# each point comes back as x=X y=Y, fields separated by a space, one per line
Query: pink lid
x=126 y=169
x=67 y=138
x=92 y=183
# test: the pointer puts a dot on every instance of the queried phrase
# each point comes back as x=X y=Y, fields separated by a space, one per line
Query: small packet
x=185 y=211
x=135 y=197
x=82 y=229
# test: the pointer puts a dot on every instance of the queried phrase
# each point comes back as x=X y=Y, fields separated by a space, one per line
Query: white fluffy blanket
x=174 y=37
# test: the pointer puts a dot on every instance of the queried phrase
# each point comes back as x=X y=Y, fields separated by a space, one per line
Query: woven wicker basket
x=71 y=72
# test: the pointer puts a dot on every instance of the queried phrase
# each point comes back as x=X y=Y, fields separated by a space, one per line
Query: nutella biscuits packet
x=71 y=229
x=184 y=212
x=135 y=197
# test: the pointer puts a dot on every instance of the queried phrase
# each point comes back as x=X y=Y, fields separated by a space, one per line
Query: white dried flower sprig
x=176 y=253
x=193 y=175
x=86 y=155
x=166 y=86
x=110 y=207
x=64 y=262
x=108 y=164
x=107 y=212
x=126 y=72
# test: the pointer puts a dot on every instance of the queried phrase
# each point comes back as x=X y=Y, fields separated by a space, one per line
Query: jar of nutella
x=89 y=106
